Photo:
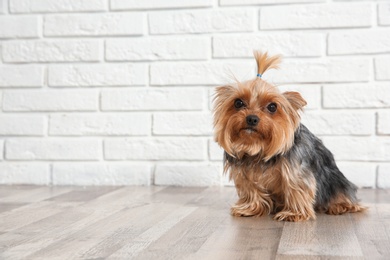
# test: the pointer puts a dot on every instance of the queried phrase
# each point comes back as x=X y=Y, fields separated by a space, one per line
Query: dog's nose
x=252 y=120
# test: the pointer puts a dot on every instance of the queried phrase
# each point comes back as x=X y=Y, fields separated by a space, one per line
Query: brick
x=361 y=174
x=286 y=44
x=197 y=73
x=319 y=71
x=182 y=123
x=382 y=68
x=151 y=4
x=97 y=75
x=311 y=93
x=19 y=27
x=50 y=100
x=201 y=21
x=359 y=42
x=154 y=149
x=262 y=2
x=1 y=150
x=384 y=176
x=210 y=95
x=356 y=96
x=48 y=6
x=21 y=76
x=101 y=174
x=100 y=24
x=188 y=175
x=51 y=51
x=53 y=149
x=384 y=13
x=24 y=173
x=2 y=6
x=100 y=124
x=383 y=122
x=340 y=122
x=156 y=48
x=359 y=148
x=315 y=16
x=152 y=99
x=22 y=125
x=215 y=151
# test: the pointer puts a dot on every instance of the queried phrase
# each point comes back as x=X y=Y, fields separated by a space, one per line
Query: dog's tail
x=265 y=62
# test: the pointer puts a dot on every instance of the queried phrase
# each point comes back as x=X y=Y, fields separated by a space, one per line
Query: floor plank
x=326 y=236
x=177 y=223
x=31 y=194
x=242 y=238
x=152 y=234
x=372 y=230
x=10 y=206
x=90 y=217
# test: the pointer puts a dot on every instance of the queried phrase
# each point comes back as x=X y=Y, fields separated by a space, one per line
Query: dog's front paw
x=249 y=209
x=290 y=216
x=239 y=213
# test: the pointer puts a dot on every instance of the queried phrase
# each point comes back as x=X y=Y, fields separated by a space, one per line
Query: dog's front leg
x=252 y=199
x=298 y=191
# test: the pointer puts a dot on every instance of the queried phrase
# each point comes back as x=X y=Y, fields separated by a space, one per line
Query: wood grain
x=176 y=223
x=324 y=237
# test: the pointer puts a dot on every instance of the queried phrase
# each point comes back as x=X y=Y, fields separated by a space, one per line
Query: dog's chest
x=267 y=177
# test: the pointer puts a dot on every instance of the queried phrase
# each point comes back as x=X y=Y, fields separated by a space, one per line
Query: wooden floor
x=176 y=223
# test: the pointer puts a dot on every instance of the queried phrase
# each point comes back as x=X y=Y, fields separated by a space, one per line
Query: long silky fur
x=266 y=62
x=280 y=167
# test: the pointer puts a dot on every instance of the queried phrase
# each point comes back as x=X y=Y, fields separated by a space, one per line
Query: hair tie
x=259 y=75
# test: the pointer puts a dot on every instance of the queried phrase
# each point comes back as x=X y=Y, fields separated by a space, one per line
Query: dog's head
x=254 y=118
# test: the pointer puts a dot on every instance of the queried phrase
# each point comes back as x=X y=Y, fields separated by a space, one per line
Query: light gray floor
x=176 y=223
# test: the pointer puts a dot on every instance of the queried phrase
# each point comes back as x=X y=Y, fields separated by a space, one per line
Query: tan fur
x=275 y=134
x=262 y=191
x=265 y=62
x=342 y=204
x=281 y=187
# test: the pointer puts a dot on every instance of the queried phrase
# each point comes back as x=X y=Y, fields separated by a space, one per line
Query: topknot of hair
x=266 y=62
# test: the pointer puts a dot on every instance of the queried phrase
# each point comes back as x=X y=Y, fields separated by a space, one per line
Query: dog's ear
x=295 y=99
x=223 y=93
x=224 y=90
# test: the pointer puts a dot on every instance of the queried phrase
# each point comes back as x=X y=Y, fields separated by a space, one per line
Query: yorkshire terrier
x=278 y=166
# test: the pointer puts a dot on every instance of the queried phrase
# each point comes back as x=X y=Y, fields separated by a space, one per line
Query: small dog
x=278 y=166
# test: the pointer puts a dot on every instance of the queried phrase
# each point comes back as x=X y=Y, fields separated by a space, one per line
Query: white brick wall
x=382 y=68
x=119 y=92
x=384 y=13
x=48 y=6
x=21 y=76
x=101 y=174
x=53 y=149
x=51 y=51
x=287 y=44
x=202 y=21
x=316 y=16
x=100 y=75
x=152 y=4
x=158 y=48
x=20 y=27
x=183 y=148
x=50 y=100
x=96 y=24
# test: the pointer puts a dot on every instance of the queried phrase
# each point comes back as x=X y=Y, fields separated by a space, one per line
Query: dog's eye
x=272 y=107
x=238 y=103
